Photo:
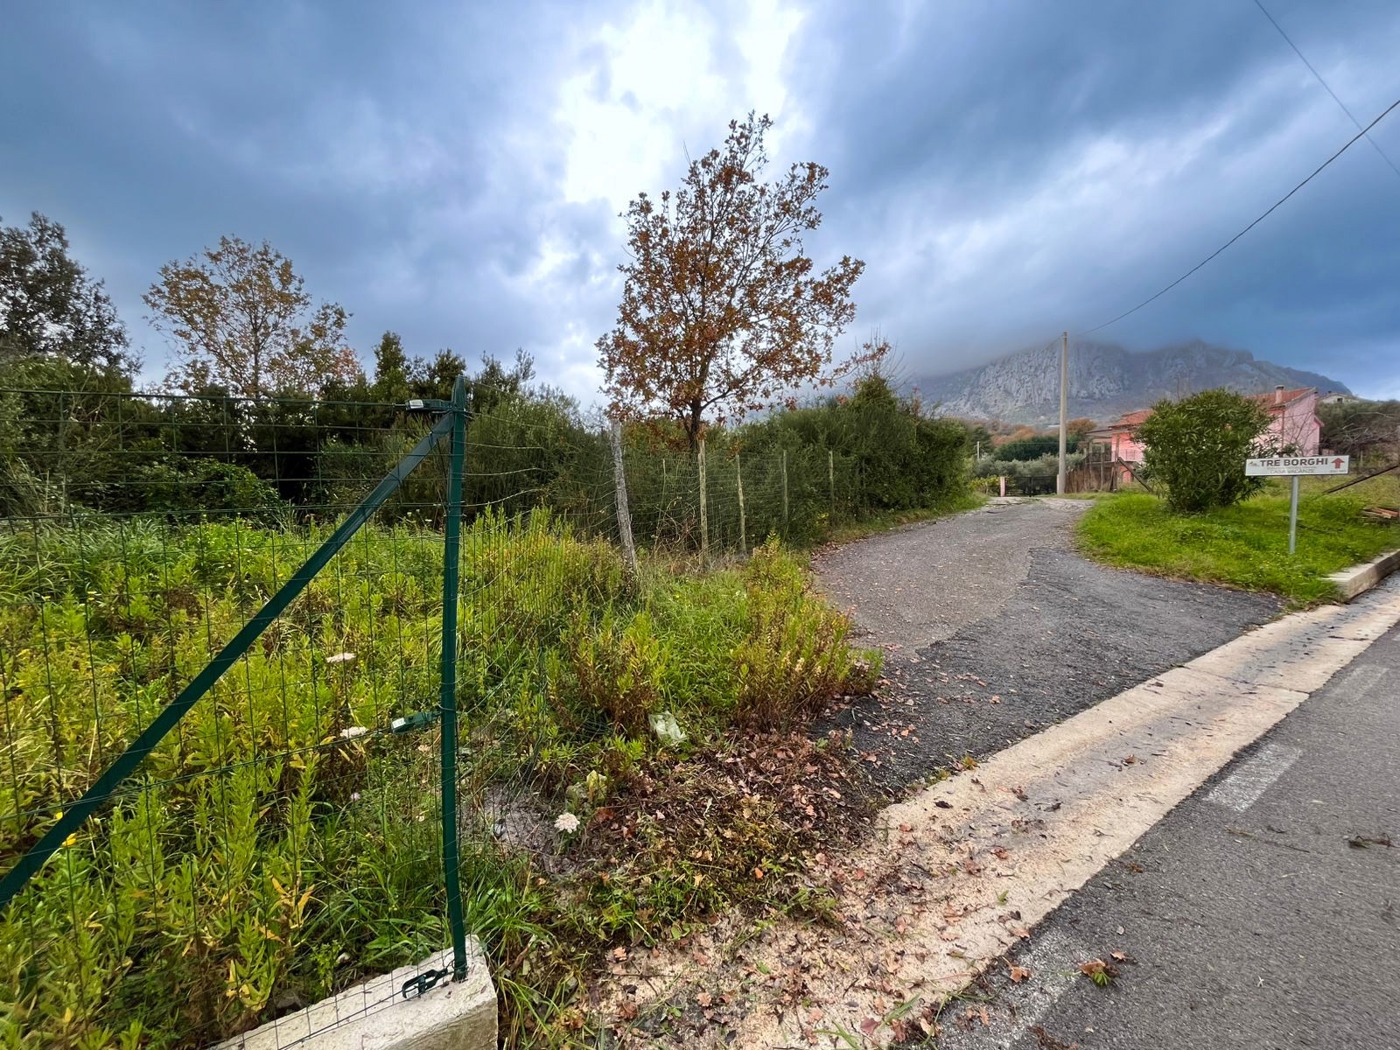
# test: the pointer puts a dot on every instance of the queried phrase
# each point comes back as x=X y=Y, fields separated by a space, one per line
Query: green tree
x=1364 y=429
x=435 y=378
x=243 y=321
x=721 y=310
x=1197 y=446
x=1029 y=448
x=390 y=370
x=497 y=383
x=50 y=307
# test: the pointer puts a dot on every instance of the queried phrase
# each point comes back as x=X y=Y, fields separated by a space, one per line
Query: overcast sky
x=1006 y=168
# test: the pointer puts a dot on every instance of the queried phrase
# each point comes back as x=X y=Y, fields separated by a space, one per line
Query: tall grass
x=283 y=842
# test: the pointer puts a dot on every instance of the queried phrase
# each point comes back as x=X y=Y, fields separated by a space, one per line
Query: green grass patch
x=1382 y=490
x=1243 y=546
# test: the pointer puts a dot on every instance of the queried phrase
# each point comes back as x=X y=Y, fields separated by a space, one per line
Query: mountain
x=1104 y=381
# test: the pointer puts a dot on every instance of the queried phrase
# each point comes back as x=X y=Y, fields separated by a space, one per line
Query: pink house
x=1294 y=425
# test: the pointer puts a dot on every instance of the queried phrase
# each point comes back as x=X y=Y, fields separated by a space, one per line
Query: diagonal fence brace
x=76 y=814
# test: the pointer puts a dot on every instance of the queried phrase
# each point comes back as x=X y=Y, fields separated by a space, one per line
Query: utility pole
x=1061 y=481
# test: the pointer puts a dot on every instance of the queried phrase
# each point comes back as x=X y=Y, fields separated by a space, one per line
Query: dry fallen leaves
x=1019 y=974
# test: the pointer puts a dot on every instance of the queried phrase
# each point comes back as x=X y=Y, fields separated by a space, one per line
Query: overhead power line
x=1251 y=226
x=1312 y=69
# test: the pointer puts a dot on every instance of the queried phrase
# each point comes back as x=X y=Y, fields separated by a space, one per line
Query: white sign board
x=1286 y=466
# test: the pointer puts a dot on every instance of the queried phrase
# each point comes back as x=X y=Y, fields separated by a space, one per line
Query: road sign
x=1286 y=466
x=1293 y=467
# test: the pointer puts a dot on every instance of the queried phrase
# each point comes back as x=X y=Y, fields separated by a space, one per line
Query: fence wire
x=285 y=840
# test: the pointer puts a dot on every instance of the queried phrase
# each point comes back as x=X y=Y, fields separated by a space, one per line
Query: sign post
x=1295 y=467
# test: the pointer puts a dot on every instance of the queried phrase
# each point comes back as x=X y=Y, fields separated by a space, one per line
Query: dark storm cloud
x=958 y=114
x=1005 y=169
x=404 y=163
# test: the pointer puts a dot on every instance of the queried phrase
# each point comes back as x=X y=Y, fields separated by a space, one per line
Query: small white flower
x=566 y=822
x=354 y=796
x=340 y=658
x=352 y=732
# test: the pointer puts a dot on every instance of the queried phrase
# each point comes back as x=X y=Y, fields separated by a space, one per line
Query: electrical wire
x=1311 y=69
x=1256 y=222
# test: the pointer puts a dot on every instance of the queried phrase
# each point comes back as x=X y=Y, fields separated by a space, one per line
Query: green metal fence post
x=451 y=550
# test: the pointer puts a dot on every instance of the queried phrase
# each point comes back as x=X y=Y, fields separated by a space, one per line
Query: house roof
x=1269 y=399
x=1130 y=419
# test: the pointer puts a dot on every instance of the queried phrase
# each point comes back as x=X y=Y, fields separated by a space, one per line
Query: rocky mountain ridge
x=1105 y=380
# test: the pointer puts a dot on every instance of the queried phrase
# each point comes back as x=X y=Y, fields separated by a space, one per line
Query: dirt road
x=993 y=628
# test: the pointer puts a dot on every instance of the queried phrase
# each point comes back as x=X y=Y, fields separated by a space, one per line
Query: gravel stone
x=981 y=652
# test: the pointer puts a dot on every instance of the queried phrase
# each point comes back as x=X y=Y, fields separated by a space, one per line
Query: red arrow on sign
x=1337 y=463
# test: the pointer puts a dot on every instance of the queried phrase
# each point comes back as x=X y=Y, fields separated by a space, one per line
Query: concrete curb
x=1361 y=578
x=966 y=868
x=376 y=1016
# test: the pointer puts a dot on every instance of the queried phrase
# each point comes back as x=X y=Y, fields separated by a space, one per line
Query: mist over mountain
x=1105 y=380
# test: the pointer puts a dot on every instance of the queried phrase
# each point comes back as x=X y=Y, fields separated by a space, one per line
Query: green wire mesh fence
x=207 y=814
x=303 y=822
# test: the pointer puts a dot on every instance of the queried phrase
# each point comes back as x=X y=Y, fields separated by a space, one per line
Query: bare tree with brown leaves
x=721 y=310
x=242 y=319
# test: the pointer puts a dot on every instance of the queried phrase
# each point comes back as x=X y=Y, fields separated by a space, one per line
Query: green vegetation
x=283 y=842
x=1036 y=447
x=1195 y=448
x=1244 y=546
x=1368 y=431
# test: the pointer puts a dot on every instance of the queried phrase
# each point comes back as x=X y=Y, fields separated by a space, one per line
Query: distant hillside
x=1104 y=381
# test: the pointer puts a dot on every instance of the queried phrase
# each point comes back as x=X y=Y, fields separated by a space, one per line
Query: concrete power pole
x=1061 y=481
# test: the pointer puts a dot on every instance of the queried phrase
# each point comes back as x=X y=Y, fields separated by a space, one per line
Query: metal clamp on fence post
x=419 y=720
x=424 y=982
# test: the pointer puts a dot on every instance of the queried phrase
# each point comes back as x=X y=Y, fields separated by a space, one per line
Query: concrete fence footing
x=376 y=1016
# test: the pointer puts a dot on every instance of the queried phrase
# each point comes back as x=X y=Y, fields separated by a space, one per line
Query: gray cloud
x=968 y=114
x=1005 y=169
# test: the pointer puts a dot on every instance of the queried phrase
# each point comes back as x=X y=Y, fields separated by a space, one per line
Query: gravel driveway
x=993 y=628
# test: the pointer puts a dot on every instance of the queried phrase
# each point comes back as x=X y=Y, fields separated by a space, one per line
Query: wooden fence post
x=739 y=484
x=624 y=512
x=785 y=493
x=704 y=505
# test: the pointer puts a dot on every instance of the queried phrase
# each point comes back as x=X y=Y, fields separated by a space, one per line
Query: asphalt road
x=1262 y=913
x=993 y=629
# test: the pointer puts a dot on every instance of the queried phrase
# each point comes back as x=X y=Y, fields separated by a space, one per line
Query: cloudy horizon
x=1007 y=170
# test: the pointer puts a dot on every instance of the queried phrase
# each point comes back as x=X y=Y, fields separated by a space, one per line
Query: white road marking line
x=1242 y=788
x=1362 y=679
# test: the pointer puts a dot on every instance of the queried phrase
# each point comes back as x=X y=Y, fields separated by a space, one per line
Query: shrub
x=618 y=670
x=795 y=658
x=1036 y=447
x=1196 y=447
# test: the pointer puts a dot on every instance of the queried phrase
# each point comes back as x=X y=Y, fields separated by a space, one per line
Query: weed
x=283 y=844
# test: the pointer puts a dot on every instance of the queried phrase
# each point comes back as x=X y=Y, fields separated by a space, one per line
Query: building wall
x=1296 y=425
x=1126 y=447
